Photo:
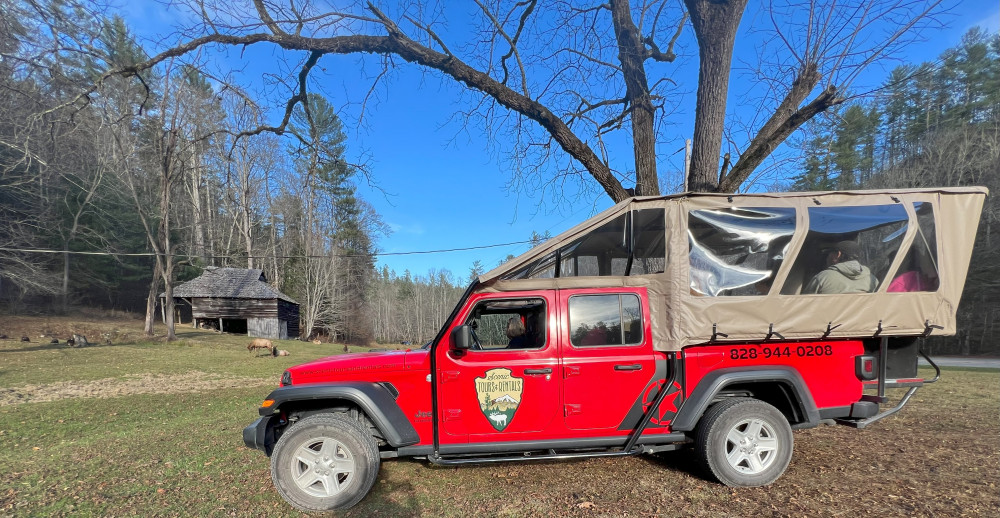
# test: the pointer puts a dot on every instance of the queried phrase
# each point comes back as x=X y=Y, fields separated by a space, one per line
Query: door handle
x=630 y=367
x=530 y=372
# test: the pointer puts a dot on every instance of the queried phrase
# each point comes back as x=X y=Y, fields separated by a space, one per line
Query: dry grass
x=150 y=428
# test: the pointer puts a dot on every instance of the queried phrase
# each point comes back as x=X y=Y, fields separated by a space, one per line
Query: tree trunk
x=715 y=23
x=247 y=226
x=65 y=277
x=197 y=211
x=168 y=301
x=631 y=54
x=147 y=328
x=168 y=164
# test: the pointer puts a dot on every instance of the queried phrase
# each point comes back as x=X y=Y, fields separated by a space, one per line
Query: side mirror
x=461 y=338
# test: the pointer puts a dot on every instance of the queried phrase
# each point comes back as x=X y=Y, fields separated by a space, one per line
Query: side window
x=919 y=269
x=544 y=268
x=509 y=323
x=649 y=249
x=737 y=251
x=601 y=320
x=847 y=249
x=602 y=251
x=631 y=244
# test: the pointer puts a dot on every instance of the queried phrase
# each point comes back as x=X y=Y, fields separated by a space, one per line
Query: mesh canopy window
x=633 y=243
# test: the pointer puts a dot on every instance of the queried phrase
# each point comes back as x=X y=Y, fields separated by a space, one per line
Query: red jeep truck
x=693 y=320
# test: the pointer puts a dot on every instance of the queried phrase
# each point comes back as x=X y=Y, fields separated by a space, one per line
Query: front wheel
x=325 y=462
x=744 y=442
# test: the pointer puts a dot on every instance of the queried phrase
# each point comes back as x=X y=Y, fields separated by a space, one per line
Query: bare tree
x=558 y=76
x=810 y=45
x=248 y=163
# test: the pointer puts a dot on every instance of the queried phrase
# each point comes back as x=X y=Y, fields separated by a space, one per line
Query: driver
x=515 y=332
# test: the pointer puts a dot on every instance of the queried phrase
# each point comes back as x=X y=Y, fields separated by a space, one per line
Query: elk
x=260 y=343
x=499 y=419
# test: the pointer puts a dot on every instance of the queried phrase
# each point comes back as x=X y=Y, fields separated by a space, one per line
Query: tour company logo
x=499 y=396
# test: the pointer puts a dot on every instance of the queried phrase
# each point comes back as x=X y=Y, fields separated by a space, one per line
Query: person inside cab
x=515 y=332
x=844 y=272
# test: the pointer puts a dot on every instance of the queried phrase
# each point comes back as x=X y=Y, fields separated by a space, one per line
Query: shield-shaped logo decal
x=499 y=396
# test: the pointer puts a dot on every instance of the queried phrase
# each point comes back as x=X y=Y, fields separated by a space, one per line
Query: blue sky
x=437 y=186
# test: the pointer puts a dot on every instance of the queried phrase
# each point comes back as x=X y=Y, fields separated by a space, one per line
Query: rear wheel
x=325 y=462
x=744 y=442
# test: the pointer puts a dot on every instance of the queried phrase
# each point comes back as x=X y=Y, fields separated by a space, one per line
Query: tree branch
x=778 y=128
x=668 y=56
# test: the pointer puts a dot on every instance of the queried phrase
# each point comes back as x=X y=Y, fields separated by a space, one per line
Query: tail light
x=866 y=367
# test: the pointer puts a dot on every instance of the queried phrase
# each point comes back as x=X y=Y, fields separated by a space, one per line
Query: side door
x=507 y=387
x=609 y=368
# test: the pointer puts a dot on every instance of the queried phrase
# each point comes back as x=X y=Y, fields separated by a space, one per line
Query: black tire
x=744 y=442
x=309 y=479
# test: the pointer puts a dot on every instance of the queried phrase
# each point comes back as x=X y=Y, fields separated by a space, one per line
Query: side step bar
x=551 y=455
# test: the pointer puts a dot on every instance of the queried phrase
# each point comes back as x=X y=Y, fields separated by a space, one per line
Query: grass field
x=148 y=428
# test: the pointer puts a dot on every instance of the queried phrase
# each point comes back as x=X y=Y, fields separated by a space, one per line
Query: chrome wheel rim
x=323 y=467
x=751 y=446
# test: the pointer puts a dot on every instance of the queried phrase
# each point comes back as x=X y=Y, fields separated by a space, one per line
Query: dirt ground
x=189 y=382
x=97 y=326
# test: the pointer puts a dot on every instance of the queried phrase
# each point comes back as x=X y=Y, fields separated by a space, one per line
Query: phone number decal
x=802 y=351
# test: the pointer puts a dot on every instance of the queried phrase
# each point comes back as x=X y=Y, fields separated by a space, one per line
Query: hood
x=851 y=269
x=349 y=367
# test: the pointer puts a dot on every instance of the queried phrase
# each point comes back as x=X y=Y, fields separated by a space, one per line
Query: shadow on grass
x=389 y=497
x=681 y=461
x=28 y=347
x=62 y=346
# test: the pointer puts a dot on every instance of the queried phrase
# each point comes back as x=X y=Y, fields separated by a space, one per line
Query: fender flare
x=372 y=398
x=714 y=382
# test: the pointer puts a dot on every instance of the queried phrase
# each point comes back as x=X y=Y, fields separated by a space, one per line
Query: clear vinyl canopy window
x=821 y=267
x=737 y=251
x=919 y=269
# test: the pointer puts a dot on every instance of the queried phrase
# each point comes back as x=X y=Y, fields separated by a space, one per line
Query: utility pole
x=687 y=162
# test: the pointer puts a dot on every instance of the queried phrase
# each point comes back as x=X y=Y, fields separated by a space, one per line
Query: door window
x=602 y=320
x=504 y=324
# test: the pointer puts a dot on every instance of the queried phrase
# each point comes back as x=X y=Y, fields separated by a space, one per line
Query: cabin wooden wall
x=264 y=328
x=264 y=316
x=234 y=308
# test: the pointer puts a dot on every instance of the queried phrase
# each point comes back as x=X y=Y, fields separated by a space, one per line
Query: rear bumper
x=259 y=435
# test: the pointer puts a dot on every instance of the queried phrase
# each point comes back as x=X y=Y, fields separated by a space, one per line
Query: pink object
x=911 y=281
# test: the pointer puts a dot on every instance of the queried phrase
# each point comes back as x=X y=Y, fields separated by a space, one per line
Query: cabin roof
x=231 y=283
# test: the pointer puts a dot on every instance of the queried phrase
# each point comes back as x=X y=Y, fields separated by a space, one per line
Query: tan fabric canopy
x=681 y=316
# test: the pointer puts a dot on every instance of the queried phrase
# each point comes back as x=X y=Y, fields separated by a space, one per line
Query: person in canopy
x=844 y=272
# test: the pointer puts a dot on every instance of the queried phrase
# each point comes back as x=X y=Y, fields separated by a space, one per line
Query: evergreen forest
x=929 y=125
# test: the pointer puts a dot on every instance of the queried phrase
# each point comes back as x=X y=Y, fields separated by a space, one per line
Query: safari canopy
x=723 y=267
